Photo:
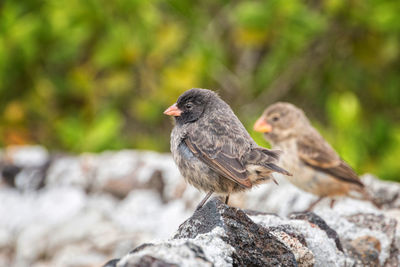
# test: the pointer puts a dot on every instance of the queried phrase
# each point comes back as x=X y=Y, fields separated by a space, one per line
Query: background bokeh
x=94 y=75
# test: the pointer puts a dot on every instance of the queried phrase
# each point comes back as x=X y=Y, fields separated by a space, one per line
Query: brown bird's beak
x=262 y=126
x=173 y=111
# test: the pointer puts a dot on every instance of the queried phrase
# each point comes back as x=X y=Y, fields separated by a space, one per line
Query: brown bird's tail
x=368 y=196
x=363 y=194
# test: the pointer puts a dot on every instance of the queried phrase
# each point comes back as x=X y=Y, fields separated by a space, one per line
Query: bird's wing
x=219 y=150
x=318 y=154
x=266 y=158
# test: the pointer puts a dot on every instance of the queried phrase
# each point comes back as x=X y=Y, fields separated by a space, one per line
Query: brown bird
x=213 y=150
x=315 y=165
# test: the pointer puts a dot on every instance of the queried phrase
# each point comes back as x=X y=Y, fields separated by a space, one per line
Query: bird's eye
x=275 y=118
x=189 y=105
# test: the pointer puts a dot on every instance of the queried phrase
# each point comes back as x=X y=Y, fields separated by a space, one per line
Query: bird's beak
x=262 y=126
x=173 y=111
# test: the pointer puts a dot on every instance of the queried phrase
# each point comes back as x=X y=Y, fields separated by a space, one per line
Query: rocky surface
x=226 y=236
x=63 y=210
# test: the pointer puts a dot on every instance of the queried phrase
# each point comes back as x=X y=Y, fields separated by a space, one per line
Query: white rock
x=282 y=199
x=143 y=212
x=42 y=207
x=29 y=179
x=351 y=231
x=326 y=255
x=179 y=251
x=27 y=156
x=78 y=255
x=71 y=227
x=6 y=238
x=31 y=244
x=69 y=171
x=114 y=165
x=33 y=215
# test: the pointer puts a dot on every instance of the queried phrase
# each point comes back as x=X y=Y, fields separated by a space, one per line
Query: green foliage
x=93 y=75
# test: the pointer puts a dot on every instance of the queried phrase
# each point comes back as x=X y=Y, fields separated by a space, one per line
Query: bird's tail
x=276 y=168
x=368 y=196
x=363 y=194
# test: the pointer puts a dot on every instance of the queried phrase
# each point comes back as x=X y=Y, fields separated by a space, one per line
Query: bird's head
x=191 y=105
x=281 y=121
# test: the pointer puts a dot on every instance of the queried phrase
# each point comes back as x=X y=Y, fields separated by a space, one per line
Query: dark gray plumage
x=213 y=150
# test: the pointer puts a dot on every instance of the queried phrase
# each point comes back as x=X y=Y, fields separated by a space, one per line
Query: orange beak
x=262 y=126
x=173 y=111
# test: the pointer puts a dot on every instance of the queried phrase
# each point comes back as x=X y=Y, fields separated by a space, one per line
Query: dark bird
x=213 y=150
x=315 y=165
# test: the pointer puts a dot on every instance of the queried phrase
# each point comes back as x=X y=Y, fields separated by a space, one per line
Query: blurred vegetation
x=91 y=75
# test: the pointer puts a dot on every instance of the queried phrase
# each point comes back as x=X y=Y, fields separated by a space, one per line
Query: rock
x=295 y=242
x=26 y=156
x=70 y=172
x=261 y=239
x=314 y=245
x=222 y=236
x=31 y=178
x=285 y=198
x=173 y=253
x=136 y=170
x=118 y=173
x=365 y=250
x=119 y=188
x=81 y=254
x=156 y=182
x=351 y=227
x=6 y=257
x=388 y=249
x=122 y=186
x=253 y=244
x=314 y=219
x=142 y=212
x=9 y=172
x=386 y=194
x=111 y=263
x=282 y=199
x=84 y=210
x=151 y=261
x=25 y=167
